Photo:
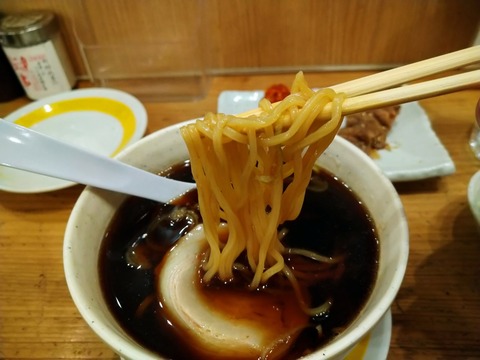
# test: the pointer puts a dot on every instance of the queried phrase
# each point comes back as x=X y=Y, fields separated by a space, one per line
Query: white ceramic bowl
x=95 y=208
x=474 y=196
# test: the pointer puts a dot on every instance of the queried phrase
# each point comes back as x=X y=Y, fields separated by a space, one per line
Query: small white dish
x=415 y=151
x=103 y=121
x=473 y=194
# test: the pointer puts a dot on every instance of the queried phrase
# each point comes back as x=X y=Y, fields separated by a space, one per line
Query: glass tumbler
x=475 y=134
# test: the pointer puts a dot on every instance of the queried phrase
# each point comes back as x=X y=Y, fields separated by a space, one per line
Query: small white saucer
x=374 y=345
x=100 y=120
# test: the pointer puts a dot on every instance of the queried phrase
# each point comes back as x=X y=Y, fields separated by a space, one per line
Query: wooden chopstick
x=361 y=93
x=403 y=74
x=406 y=93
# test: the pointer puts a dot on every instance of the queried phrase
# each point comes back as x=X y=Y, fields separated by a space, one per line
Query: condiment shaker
x=35 y=49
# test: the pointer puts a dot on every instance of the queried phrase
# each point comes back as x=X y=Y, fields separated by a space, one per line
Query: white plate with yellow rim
x=100 y=120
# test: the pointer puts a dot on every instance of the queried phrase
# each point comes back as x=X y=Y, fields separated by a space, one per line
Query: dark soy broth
x=332 y=223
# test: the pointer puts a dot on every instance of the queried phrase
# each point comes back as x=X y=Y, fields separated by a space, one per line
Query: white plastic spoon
x=25 y=149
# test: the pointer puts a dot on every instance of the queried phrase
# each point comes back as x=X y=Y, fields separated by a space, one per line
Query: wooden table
x=436 y=314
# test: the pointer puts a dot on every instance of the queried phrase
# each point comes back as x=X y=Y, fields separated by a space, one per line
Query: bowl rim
x=332 y=349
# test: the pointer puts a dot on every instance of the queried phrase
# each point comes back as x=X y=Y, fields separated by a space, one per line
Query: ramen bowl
x=95 y=208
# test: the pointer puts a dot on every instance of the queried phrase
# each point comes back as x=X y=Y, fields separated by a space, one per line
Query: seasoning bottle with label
x=34 y=48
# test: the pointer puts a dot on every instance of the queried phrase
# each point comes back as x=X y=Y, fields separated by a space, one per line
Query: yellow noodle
x=240 y=165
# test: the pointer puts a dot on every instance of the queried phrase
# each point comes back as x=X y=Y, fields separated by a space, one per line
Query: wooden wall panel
x=130 y=21
x=273 y=35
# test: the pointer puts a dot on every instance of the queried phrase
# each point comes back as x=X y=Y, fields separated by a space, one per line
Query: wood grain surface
x=436 y=314
x=264 y=36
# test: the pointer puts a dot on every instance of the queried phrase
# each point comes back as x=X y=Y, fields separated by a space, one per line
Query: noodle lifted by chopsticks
x=240 y=164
